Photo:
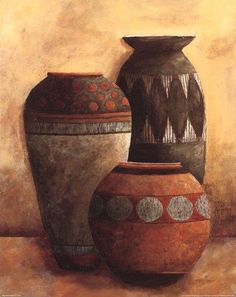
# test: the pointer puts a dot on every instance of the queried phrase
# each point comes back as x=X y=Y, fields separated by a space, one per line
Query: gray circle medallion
x=180 y=208
x=96 y=206
x=149 y=209
x=119 y=208
x=202 y=206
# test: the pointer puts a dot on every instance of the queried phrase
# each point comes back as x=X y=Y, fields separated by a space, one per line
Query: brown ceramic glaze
x=77 y=129
x=150 y=219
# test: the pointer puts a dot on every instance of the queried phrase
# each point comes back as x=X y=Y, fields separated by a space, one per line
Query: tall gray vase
x=77 y=128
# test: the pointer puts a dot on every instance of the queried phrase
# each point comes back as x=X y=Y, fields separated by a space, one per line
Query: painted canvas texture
x=76 y=36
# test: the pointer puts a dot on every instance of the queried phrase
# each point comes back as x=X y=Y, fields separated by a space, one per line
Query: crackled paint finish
x=66 y=178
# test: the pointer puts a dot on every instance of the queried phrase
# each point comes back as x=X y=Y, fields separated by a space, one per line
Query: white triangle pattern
x=166 y=80
x=198 y=81
x=184 y=78
x=169 y=137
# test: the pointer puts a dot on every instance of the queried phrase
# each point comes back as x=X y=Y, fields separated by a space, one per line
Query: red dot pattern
x=105 y=85
x=110 y=105
x=125 y=101
x=114 y=94
x=93 y=106
x=100 y=97
x=92 y=87
x=82 y=96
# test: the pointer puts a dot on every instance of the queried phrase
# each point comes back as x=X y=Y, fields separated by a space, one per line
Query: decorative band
x=73 y=250
x=166 y=80
x=77 y=128
x=186 y=124
x=147 y=136
x=150 y=209
x=78 y=118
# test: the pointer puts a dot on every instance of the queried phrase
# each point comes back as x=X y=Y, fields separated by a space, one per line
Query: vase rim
x=150 y=166
x=158 y=43
x=158 y=37
x=73 y=74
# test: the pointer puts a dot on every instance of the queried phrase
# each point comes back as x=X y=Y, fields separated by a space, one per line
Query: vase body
x=150 y=219
x=167 y=103
x=77 y=128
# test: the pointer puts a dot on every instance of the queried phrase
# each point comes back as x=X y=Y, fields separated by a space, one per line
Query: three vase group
x=78 y=128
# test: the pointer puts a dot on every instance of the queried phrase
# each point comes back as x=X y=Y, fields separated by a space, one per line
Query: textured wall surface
x=38 y=36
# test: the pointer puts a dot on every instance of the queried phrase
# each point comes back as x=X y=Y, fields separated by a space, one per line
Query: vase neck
x=159 y=44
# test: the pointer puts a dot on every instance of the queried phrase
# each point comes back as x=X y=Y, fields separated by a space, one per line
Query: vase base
x=78 y=262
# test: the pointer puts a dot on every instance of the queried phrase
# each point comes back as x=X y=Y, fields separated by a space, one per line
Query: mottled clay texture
x=69 y=35
x=151 y=248
x=171 y=244
x=27 y=268
x=67 y=170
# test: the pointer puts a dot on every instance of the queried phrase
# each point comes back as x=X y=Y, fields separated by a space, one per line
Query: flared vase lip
x=150 y=166
x=73 y=74
x=157 y=37
x=161 y=43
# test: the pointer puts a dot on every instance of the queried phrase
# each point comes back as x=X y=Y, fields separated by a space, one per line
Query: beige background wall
x=38 y=36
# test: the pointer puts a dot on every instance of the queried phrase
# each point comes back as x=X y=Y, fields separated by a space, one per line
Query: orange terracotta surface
x=132 y=244
x=151 y=248
x=161 y=186
x=27 y=269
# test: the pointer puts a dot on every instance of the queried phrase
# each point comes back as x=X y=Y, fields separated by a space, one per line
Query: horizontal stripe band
x=78 y=118
x=77 y=128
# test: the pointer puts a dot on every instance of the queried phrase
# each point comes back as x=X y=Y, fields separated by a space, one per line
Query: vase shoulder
x=155 y=55
x=144 y=63
x=76 y=97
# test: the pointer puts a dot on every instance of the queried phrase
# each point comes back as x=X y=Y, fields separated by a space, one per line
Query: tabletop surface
x=28 y=269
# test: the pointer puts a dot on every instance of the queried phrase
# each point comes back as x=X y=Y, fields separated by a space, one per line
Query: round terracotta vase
x=150 y=219
x=167 y=103
x=77 y=129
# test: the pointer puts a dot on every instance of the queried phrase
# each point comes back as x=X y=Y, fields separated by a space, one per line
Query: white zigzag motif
x=169 y=137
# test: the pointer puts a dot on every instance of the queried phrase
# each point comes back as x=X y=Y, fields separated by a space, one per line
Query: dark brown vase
x=167 y=103
x=77 y=128
x=150 y=219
